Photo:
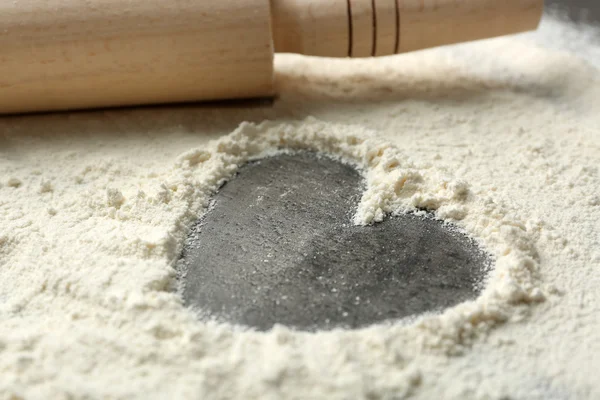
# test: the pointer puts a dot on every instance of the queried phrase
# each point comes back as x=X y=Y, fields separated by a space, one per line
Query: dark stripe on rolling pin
x=374 y=45
x=397 y=44
x=349 y=2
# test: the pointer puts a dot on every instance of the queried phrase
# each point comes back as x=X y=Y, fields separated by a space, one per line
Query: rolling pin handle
x=365 y=28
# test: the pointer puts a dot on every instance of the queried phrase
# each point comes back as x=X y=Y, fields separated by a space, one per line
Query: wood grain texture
x=430 y=23
x=387 y=30
x=311 y=27
x=65 y=54
x=363 y=28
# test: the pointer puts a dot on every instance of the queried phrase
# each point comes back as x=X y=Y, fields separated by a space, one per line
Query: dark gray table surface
x=279 y=246
x=578 y=10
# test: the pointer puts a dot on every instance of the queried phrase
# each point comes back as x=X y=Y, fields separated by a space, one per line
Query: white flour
x=500 y=136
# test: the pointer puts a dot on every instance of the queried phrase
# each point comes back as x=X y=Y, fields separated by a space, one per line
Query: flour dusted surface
x=499 y=136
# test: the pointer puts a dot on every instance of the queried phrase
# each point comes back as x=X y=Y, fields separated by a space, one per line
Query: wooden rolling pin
x=73 y=54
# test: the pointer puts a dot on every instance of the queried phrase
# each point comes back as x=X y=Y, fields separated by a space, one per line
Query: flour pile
x=500 y=137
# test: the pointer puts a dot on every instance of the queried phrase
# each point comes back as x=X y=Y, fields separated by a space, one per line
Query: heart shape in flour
x=278 y=246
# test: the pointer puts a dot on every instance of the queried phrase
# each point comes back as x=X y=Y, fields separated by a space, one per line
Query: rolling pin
x=74 y=54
